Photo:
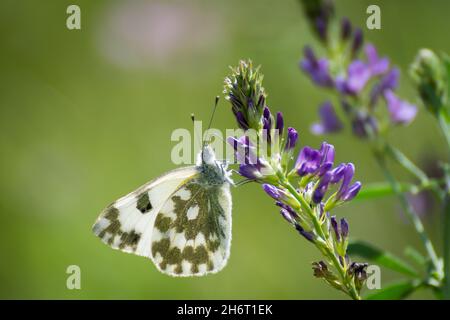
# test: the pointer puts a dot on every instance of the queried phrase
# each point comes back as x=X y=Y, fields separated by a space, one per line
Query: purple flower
x=346 y=191
x=329 y=120
x=267 y=123
x=245 y=152
x=315 y=162
x=279 y=125
x=273 y=191
x=252 y=171
x=376 y=65
x=321 y=188
x=335 y=227
x=242 y=122
x=352 y=191
x=307 y=235
x=337 y=173
x=388 y=82
x=291 y=140
x=308 y=161
x=321 y=28
x=327 y=158
x=251 y=166
x=362 y=123
x=344 y=228
x=401 y=112
x=289 y=209
x=346 y=29
x=340 y=232
x=358 y=40
x=316 y=68
x=357 y=76
x=359 y=72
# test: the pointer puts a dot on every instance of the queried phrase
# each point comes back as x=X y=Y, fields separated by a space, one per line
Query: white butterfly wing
x=192 y=231
x=127 y=224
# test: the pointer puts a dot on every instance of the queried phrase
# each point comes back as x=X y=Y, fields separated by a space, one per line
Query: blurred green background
x=86 y=116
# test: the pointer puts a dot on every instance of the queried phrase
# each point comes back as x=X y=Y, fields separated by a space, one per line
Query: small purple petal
x=241 y=120
x=287 y=215
x=292 y=137
x=349 y=171
x=329 y=120
x=362 y=123
x=358 y=75
x=337 y=173
x=317 y=69
x=287 y=208
x=279 y=123
x=233 y=142
x=346 y=29
x=377 y=66
x=250 y=103
x=308 y=161
x=358 y=40
x=321 y=27
x=401 y=111
x=324 y=168
x=272 y=191
x=388 y=82
x=261 y=102
x=335 y=227
x=307 y=235
x=266 y=112
x=344 y=228
x=249 y=171
x=327 y=152
x=321 y=188
x=351 y=192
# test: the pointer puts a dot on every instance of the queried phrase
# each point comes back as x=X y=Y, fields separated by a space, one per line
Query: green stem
x=411 y=215
x=383 y=189
x=398 y=156
x=445 y=127
x=318 y=228
x=446 y=287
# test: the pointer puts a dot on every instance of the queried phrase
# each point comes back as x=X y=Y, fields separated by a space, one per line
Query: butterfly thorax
x=213 y=173
x=211 y=176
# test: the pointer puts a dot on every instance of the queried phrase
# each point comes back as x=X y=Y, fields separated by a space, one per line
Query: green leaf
x=395 y=291
x=382 y=189
x=382 y=258
x=415 y=256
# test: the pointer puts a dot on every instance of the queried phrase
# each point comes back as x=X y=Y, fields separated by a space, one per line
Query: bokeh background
x=86 y=116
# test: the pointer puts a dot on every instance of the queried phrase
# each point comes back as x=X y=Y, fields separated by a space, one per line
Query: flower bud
x=429 y=74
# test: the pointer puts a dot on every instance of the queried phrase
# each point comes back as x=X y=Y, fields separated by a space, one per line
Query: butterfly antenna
x=216 y=101
x=199 y=134
x=213 y=112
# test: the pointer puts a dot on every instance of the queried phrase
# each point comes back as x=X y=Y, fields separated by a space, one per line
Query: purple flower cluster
x=360 y=84
x=317 y=166
x=274 y=136
x=306 y=189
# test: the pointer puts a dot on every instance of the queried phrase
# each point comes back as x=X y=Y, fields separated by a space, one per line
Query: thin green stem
x=403 y=160
x=445 y=127
x=446 y=287
x=383 y=189
x=418 y=226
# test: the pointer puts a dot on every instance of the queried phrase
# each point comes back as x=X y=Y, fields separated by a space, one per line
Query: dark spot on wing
x=143 y=203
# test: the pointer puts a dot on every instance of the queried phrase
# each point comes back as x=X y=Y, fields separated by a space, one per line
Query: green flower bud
x=243 y=88
x=429 y=74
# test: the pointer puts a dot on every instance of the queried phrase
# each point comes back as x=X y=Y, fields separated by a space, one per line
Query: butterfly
x=181 y=220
